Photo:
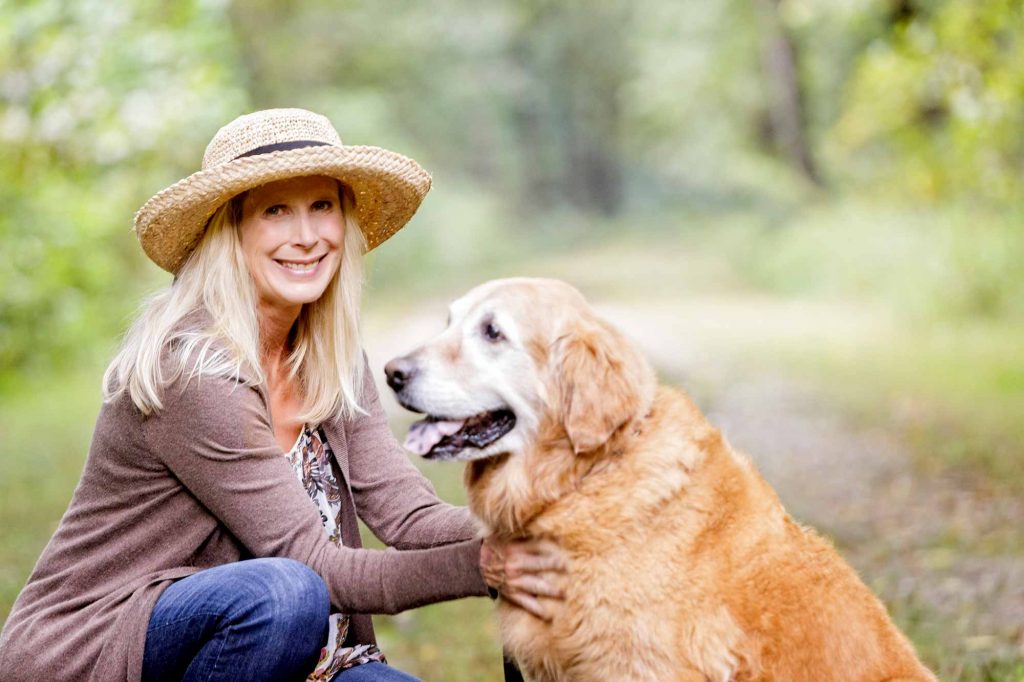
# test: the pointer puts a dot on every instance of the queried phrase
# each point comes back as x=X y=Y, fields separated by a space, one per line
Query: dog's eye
x=492 y=332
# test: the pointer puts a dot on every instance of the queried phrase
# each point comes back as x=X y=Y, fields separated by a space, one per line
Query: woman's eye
x=276 y=209
x=323 y=205
x=492 y=332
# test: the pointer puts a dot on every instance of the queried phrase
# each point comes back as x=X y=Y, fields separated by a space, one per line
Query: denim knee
x=294 y=595
x=261 y=618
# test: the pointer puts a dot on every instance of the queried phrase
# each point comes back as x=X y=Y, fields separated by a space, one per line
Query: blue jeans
x=262 y=619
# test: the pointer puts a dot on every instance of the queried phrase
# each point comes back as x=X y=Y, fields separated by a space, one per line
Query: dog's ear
x=603 y=381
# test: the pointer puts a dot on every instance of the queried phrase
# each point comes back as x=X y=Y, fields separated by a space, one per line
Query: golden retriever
x=683 y=563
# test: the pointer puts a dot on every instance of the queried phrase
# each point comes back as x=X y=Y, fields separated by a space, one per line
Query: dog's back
x=685 y=566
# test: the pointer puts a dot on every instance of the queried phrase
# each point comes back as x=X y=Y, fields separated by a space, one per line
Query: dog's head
x=519 y=358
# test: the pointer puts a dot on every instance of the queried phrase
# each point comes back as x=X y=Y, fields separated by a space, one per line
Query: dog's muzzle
x=444 y=437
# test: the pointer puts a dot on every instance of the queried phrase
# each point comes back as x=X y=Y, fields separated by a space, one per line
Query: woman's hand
x=523 y=571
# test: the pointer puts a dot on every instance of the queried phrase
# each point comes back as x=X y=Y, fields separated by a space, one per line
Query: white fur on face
x=463 y=372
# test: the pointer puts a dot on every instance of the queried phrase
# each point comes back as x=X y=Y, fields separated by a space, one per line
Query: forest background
x=826 y=193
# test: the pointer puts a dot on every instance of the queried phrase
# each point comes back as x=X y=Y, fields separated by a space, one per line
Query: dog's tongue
x=425 y=434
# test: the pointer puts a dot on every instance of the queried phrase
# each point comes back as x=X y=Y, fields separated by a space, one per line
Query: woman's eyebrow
x=263 y=199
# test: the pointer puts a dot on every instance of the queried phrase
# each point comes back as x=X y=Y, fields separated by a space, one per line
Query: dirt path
x=932 y=546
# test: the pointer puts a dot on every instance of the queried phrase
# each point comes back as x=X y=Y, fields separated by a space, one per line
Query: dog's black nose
x=400 y=372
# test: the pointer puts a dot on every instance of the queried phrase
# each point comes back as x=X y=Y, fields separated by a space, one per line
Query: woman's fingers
x=525 y=572
x=541 y=547
x=534 y=556
x=526 y=602
x=534 y=563
x=541 y=585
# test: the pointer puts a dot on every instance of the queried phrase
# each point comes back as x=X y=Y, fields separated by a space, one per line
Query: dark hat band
x=282 y=146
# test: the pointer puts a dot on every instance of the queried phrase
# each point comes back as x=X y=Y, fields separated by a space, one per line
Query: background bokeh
x=808 y=212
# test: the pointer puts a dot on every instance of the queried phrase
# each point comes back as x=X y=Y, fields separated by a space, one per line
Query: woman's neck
x=275 y=331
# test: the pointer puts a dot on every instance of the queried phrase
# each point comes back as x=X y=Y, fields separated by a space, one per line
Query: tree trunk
x=786 y=112
x=249 y=21
x=567 y=117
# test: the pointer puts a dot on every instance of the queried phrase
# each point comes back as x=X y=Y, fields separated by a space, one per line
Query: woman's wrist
x=492 y=564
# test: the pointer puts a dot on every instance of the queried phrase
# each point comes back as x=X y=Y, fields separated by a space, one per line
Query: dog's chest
x=632 y=596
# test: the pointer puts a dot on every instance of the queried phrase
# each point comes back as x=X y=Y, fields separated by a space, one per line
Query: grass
x=969 y=659
x=45 y=429
x=453 y=641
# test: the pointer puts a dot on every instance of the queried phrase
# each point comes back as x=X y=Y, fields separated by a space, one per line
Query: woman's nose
x=304 y=231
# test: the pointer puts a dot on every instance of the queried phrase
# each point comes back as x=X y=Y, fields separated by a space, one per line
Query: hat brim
x=387 y=186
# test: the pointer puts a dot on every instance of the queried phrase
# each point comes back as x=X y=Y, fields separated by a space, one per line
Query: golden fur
x=683 y=563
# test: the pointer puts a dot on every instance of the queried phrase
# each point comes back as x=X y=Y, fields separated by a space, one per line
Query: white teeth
x=299 y=267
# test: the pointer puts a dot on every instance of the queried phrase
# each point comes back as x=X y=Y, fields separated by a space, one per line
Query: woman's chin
x=287 y=294
x=300 y=295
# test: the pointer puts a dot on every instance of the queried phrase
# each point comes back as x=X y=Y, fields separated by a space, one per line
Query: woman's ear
x=602 y=382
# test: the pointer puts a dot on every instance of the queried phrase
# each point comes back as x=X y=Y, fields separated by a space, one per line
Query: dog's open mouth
x=437 y=438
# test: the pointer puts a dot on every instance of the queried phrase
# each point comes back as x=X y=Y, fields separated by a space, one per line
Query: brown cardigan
x=203 y=483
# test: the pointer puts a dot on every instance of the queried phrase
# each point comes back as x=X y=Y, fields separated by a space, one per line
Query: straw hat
x=272 y=145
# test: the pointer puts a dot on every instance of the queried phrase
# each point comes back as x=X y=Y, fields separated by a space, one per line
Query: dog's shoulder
x=674 y=432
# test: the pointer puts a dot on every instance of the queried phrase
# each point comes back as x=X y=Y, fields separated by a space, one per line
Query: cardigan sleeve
x=215 y=436
x=395 y=500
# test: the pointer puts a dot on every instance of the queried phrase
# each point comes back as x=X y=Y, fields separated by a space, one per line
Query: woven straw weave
x=267 y=127
x=387 y=186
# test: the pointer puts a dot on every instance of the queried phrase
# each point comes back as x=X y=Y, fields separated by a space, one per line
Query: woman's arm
x=215 y=436
x=394 y=499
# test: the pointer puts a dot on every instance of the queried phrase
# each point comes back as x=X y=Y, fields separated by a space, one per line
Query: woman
x=213 y=534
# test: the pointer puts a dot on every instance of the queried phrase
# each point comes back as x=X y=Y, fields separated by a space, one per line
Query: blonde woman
x=214 y=534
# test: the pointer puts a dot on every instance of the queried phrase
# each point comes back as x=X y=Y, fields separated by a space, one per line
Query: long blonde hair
x=326 y=356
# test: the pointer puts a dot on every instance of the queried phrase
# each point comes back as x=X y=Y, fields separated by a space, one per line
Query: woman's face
x=292 y=232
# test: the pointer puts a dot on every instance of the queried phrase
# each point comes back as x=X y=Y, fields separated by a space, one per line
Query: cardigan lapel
x=361 y=625
x=338 y=442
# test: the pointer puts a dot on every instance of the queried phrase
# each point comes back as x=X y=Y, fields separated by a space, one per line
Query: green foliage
x=101 y=103
x=955 y=262
x=934 y=102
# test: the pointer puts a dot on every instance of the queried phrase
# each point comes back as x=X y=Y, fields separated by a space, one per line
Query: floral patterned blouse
x=310 y=458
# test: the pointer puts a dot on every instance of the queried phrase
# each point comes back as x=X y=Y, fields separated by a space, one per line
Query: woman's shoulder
x=198 y=366
x=222 y=411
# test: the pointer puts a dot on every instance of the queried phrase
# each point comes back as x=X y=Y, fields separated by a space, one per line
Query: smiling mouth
x=300 y=266
x=439 y=438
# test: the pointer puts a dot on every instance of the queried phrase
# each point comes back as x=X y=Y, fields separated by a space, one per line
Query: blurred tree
x=525 y=93
x=935 y=101
x=786 y=118
x=100 y=103
x=575 y=63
